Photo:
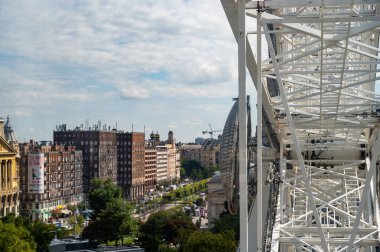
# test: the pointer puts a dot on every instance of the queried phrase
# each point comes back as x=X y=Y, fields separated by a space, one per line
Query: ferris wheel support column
x=243 y=186
x=259 y=86
x=371 y=171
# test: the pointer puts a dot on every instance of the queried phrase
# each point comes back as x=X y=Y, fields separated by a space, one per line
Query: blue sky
x=168 y=65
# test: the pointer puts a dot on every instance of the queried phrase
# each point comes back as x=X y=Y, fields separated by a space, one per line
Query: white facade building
x=162 y=163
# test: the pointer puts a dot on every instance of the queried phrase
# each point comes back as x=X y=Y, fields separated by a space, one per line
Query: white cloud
x=192 y=122
x=56 y=54
x=171 y=125
x=133 y=92
x=123 y=39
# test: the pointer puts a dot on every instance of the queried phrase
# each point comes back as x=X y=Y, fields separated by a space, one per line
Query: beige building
x=210 y=153
x=162 y=163
x=150 y=167
x=173 y=161
x=9 y=174
x=191 y=152
x=216 y=198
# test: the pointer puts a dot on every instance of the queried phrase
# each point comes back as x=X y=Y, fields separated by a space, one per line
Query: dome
x=8 y=131
x=152 y=135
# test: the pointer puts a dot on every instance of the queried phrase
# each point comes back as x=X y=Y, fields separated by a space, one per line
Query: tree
x=112 y=223
x=93 y=231
x=43 y=234
x=200 y=202
x=76 y=221
x=194 y=170
x=81 y=206
x=166 y=227
x=38 y=232
x=9 y=218
x=226 y=222
x=102 y=192
x=14 y=239
x=209 y=242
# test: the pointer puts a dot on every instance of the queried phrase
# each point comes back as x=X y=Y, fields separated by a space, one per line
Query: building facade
x=131 y=163
x=150 y=167
x=9 y=174
x=216 y=198
x=162 y=163
x=191 y=152
x=50 y=179
x=99 y=148
x=173 y=162
x=210 y=153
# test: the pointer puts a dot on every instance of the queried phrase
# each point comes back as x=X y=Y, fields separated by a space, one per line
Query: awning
x=65 y=211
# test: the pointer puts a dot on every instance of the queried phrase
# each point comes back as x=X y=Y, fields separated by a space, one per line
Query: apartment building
x=50 y=178
x=210 y=153
x=162 y=163
x=131 y=163
x=99 y=149
x=150 y=167
x=191 y=152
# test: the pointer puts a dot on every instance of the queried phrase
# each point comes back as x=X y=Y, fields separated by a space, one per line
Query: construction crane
x=211 y=131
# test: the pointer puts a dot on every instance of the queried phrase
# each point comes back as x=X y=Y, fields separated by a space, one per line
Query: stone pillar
x=10 y=174
x=6 y=174
x=4 y=168
x=1 y=175
x=4 y=179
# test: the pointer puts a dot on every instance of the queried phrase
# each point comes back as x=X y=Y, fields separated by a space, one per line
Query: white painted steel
x=259 y=196
x=324 y=57
x=243 y=179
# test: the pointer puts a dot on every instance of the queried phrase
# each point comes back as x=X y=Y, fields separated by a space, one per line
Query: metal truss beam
x=318 y=92
x=295 y=140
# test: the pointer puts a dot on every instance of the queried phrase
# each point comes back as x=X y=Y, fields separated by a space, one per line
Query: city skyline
x=155 y=65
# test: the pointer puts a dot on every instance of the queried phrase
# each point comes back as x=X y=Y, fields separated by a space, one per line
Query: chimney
x=2 y=134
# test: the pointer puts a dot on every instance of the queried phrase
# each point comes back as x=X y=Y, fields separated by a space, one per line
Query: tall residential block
x=51 y=179
x=131 y=163
x=99 y=150
x=162 y=164
x=150 y=167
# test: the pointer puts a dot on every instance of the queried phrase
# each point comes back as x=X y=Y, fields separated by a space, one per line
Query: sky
x=163 y=65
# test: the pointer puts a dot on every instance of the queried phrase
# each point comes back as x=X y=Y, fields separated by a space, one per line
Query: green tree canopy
x=112 y=223
x=193 y=169
x=206 y=241
x=166 y=227
x=226 y=222
x=43 y=234
x=102 y=192
x=15 y=239
x=37 y=233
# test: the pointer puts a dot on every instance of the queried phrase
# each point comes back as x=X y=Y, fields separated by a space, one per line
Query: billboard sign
x=36 y=171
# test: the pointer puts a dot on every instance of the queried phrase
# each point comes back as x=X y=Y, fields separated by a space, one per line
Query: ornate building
x=9 y=177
